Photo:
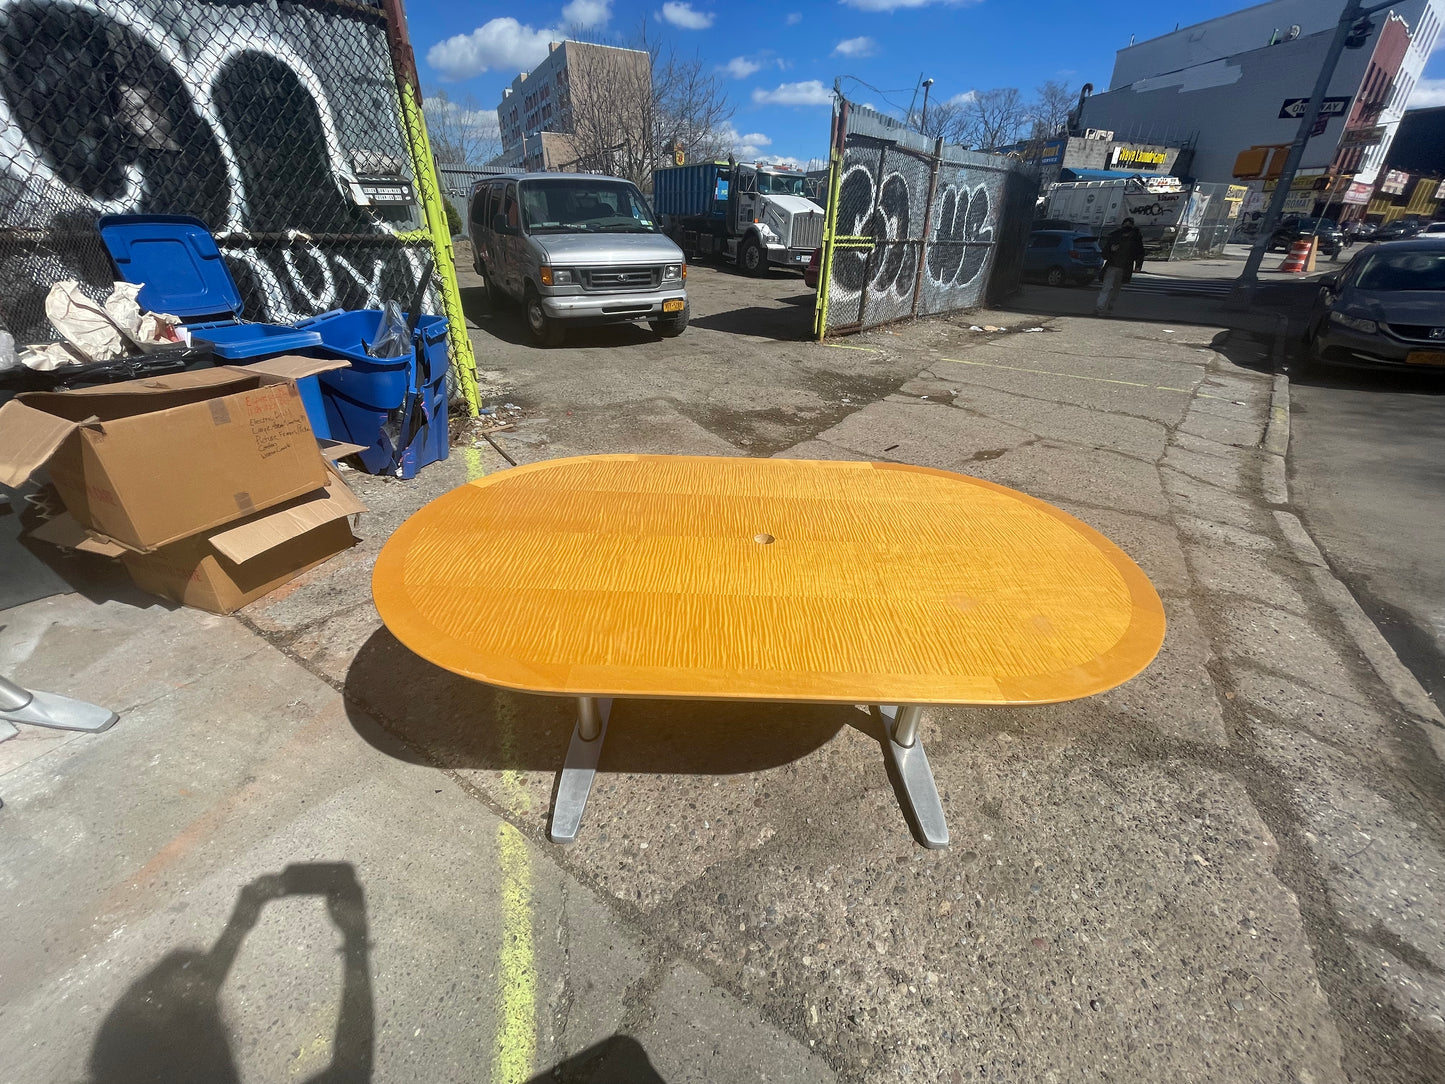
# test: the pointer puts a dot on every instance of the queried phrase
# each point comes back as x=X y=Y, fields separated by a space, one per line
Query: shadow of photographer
x=167 y=1028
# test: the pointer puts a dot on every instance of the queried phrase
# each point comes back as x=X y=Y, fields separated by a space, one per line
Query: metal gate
x=916 y=226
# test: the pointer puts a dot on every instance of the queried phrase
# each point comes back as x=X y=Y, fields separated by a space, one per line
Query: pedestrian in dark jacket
x=1123 y=255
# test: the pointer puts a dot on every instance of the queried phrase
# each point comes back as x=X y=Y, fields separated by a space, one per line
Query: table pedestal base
x=579 y=768
x=920 y=792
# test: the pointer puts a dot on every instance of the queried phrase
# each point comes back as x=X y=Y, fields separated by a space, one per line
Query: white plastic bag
x=84 y=323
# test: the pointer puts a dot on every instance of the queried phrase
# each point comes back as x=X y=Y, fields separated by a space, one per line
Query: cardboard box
x=222 y=570
x=149 y=462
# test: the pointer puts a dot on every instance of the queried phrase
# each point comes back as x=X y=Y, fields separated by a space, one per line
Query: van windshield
x=574 y=205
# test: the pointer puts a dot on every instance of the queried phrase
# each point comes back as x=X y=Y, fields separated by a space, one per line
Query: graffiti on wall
x=255 y=118
x=889 y=245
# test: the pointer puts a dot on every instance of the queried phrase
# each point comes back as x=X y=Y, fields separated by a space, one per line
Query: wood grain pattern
x=642 y=576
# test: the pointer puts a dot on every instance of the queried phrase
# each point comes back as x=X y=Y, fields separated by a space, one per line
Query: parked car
x=1292 y=229
x=1385 y=309
x=1433 y=229
x=1398 y=230
x=576 y=250
x=1062 y=257
x=1052 y=224
x=810 y=273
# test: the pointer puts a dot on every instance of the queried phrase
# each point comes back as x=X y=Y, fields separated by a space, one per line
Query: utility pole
x=923 y=117
x=1249 y=277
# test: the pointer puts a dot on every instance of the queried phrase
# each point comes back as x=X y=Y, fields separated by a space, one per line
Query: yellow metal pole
x=433 y=209
x=830 y=218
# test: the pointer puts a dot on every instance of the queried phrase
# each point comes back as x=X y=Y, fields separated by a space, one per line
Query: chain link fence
x=280 y=125
x=916 y=226
x=1207 y=221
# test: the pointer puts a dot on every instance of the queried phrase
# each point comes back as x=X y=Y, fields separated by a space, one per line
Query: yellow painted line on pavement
x=1078 y=376
x=472 y=459
x=516 y=1044
x=845 y=346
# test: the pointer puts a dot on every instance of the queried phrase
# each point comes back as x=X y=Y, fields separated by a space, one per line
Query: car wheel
x=544 y=329
x=1304 y=361
x=670 y=327
x=495 y=297
x=1055 y=276
x=752 y=258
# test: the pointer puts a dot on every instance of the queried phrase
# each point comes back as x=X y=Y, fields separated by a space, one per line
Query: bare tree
x=994 y=118
x=1053 y=100
x=461 y=132
x=947 y=119
x=629 y=110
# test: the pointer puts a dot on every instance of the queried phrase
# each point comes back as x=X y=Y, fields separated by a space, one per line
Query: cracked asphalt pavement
x=1227 y=869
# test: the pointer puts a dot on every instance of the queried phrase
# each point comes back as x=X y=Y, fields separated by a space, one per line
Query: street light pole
x=1249 y=277
x=923 y=117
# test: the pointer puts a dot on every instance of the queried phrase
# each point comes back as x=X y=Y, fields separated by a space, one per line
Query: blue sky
x=779 y=57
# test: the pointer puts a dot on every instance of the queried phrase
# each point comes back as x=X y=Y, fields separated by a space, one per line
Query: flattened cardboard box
x=149 y=462
x=223 y=570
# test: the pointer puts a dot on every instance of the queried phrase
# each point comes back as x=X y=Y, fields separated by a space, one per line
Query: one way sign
x=1294 y=108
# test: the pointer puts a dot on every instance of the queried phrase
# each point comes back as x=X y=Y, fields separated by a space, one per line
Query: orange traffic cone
x=1299 y=255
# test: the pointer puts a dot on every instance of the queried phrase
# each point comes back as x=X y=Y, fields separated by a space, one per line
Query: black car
x=1385 y=309
x=1399 y=230
x=1292 y=229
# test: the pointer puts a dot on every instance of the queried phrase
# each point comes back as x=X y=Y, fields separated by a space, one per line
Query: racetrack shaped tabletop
x=765 y=579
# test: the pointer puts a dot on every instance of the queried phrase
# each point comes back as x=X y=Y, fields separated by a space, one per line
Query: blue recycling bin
x=396 y=407
x=182 y=272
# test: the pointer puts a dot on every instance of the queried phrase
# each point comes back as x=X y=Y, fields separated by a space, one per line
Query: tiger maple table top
x=765 y=579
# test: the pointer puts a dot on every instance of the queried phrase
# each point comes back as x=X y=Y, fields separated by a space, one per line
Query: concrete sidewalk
x=1227 y=869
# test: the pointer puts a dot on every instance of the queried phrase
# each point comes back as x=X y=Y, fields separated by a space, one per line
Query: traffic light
x=1359 y=33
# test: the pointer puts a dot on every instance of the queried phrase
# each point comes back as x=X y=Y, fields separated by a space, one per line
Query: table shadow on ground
x=620 y=1059
x=454 y=722
x=168 y=1027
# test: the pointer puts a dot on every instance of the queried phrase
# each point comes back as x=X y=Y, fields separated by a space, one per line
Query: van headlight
x=674 y=272
x=556 y=276
x=1355 y=323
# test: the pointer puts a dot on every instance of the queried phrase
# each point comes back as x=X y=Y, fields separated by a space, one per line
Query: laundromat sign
x=1135 y=158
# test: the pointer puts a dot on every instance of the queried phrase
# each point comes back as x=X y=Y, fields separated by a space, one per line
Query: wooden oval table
x=764 y=579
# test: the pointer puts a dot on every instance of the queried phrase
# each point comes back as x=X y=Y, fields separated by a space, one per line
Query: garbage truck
x=1156 y=205
x=756 y=214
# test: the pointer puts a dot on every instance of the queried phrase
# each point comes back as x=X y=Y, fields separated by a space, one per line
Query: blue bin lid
x=176 y=259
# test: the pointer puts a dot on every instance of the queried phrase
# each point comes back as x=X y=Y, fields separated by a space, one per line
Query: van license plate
x=675 y=305
x=1426 y=357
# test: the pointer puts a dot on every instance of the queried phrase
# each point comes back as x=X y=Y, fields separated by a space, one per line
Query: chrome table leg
x=18 y=705
x=919 y=789
x=579 y=768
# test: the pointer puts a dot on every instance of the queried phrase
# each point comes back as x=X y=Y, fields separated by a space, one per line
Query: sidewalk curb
x=1398 y=679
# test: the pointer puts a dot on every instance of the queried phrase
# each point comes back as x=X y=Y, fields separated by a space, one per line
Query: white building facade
x=1230 y=84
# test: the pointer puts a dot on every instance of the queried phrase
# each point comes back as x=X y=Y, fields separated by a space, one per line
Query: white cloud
x=794 y=18
x=744 y=146
x=684 y=17
x=858 y=47
x=482 y=122
x=1427 y=93
x=500 y=44
x=966 y=98
x=740 y=67
x=811 y=92
x=584 y=14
